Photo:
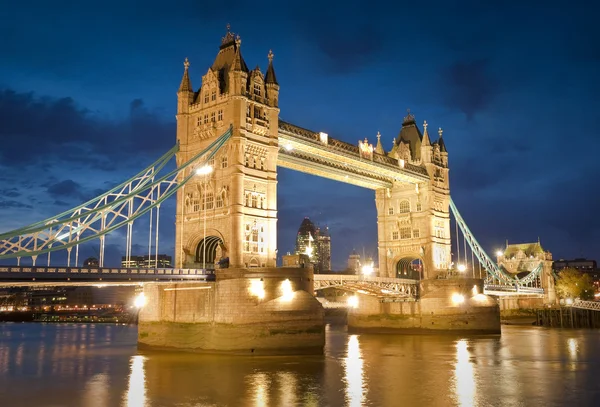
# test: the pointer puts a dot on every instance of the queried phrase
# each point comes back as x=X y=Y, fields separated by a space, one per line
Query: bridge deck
x=14 y=275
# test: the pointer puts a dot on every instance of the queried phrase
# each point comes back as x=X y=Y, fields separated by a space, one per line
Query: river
x=99 y=366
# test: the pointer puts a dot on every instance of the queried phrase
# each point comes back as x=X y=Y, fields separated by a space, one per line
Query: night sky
x=88 y=98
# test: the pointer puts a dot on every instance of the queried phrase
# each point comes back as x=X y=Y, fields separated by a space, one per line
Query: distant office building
x=91 y=262
x=146 y=261
x=584 y=265
x=354 y=263
x=316 y=244
x=113 y=295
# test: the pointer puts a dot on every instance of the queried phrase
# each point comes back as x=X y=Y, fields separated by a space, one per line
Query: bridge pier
x=245 y=311
x=453 y=305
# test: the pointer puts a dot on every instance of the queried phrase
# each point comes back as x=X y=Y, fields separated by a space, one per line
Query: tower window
x=198 y=121
x=213 y=95
x=220 y=117
x=208 y=201
x=212 y=117
x=206 y=97
x=219 y=201
x=262 y=163
x=205 y=119
x=257 y=89
x=404 y=206
x=404 y=233
x=415 y=233
x=419 y=207
x=224 y=161
x=247 y=160
x=395 y=235
x=254 y=201
x=390 y=211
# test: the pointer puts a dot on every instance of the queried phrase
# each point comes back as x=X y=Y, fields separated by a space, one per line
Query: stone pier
x=453 y=305
x=245 y=311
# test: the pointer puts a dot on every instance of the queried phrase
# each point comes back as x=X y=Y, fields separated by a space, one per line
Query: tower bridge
x=230 y=144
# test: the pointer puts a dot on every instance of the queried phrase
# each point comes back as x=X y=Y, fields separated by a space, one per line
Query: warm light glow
x=475 y=290
x=257 y=288
x=288 y=147
x=354 y=374
x=136 y=392
x=499 y=253
x=569 y=301
x=308 y=251
x=401 y=162
x=323 y=137
x=367 y=269
x=287 y=290
x=353 y=301
x=458 y=298
x=140 y=300
x=204 y=170
x=464 y=376
x=461 y=268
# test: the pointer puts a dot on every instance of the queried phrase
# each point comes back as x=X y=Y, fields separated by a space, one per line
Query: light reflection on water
x=100 y=366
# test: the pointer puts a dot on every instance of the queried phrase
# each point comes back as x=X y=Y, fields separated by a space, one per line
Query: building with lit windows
x=146 y=261
x=315 y=243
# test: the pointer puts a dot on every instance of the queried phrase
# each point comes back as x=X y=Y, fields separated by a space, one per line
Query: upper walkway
x=318 y=154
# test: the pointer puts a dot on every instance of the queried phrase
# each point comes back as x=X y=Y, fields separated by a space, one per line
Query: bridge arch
x=213 y=248
x=410 y=267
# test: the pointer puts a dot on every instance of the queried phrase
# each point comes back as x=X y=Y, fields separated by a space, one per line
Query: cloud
x=13 y=204
x=10 y=192
x=65 y=189
x=469 y=86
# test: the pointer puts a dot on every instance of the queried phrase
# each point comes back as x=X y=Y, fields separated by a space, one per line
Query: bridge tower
x=413 y=220
x=231 y=212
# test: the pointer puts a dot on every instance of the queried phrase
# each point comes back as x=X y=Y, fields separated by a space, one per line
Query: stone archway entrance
x=209 y=251
x=410 y=268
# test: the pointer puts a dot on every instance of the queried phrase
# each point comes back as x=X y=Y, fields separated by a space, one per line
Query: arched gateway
x=238 y=198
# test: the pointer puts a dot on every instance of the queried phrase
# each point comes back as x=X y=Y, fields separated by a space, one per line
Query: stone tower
x=413 y=220
x=230 y=214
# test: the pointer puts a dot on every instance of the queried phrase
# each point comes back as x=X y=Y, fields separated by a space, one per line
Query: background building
x=146 y=261
x=316 y=244
x=584 y=265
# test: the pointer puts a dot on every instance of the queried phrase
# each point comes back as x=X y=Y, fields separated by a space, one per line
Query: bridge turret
x=426 y=149
x=271 y=83
x=185 y=94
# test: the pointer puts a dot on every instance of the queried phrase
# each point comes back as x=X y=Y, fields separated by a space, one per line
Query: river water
x=99 y=365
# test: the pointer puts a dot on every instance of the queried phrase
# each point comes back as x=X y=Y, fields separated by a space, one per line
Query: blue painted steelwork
x=101 y=274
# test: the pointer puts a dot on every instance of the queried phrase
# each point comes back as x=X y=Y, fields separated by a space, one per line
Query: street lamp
x=499 y=253
x=204 y=170
x=462 y=268
x=367 y=269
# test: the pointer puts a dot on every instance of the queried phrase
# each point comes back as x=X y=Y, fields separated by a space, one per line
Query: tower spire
x=441 y=141
x=425 y=141
x=379 y=147
x=270 y=77
x=186 y=83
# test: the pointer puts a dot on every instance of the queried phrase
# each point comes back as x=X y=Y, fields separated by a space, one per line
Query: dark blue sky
x=87 y=98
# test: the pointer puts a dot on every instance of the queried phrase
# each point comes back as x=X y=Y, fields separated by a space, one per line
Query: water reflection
x=136 y=392
x=464 y=376
x=260 y=384
x=96 y=391
x=353 y=369
x=287 y=388
x=573 y=347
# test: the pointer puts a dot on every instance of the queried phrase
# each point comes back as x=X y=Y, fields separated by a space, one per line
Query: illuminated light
x=140 y=300
x=367 y=269
x=288 y=147
x=136 y=391
x=458 y=298
x=323 y=137
x=354 y=374
x=461 y=268
x=464 y=388
x=475 y=290
x=569 y=301
x=287 y=290
x=480 y=298
x=308 y=251
x=257 y=288
x=401 y=162
x=204 y=170
x=353 y=301
x=499 y=253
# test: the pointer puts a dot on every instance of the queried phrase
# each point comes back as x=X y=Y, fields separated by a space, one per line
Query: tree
x=572 y=283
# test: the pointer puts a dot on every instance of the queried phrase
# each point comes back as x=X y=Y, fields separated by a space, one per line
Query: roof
x=186 y=83
x=230 y=55
x=270 y=77
x=307 y=226
x=527 y=248
x=410 y=133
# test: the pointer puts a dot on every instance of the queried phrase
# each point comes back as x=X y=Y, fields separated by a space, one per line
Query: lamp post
x=205 y=170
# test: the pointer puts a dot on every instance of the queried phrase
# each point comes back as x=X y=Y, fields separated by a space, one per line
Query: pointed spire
x=441 y=141
x=425 y=141
x=379 y=147
x=271 y=78
x=186 y=83
x=237 y=59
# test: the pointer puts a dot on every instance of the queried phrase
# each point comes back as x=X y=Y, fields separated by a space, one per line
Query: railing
x=517 y=289
x=381 y=287
x=24 y=273
x=591 y=305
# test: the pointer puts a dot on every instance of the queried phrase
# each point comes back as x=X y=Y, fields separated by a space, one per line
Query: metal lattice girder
x=591 y=305
x=114 y=209
x=382 y=287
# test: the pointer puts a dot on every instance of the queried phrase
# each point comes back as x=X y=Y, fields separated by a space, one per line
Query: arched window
x=219 y=201
x=209 y=200
x=213 y=95
x=404 y=206
x=254 y=201
x=247 y=199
